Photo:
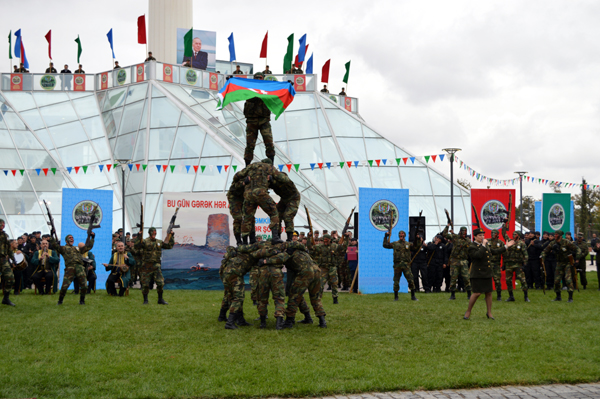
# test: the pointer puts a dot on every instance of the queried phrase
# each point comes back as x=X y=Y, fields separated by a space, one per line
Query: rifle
x=417 y=227
x=310 y=228
x=51 y=224
x=544 y=279
x=507 y=219
x=92 y=224
x=141 y=223
x=172 y=225
x=347 y=225
x=476 y=217
x=573 y=271
x=449 y=220
x=389 y=226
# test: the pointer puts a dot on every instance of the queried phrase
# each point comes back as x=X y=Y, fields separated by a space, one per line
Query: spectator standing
x=150 y=57
x=593 y=246
x=352 y=256
x=51 y=69
x=80 y=70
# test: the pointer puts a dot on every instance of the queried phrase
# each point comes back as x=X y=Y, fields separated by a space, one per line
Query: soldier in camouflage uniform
x=328 y=254
x=562 y=248
x=287 y=207
x=8 y=278
x=495 y=260
x=235 y=198
x=256 y=193
x=234 y=268
x=74 y=265
x=151 y=249
x=402 y=259
x=137 y=256
x=459 y=263
x=514 y=260
x=271 y=259
x=581 y=263
x=258 y=117
x=342 y=263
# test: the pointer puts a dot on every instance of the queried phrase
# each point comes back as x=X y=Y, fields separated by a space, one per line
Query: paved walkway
x=579 y=391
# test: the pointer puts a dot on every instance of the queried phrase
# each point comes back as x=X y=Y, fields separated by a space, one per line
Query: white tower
x=164 y=17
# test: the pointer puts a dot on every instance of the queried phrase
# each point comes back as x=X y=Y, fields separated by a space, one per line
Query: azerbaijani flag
x=276 y=95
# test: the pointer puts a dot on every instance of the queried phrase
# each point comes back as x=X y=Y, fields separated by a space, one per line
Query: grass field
x=115 y=347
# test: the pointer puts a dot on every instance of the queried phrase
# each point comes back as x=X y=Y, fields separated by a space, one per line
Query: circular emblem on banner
x=492 y=214
x=191 y=76
x=382 y=213
x=140 y=70
x=348 y=101
x=299 y=81
x=48 y=82
x=213 y=79
x=79 y=80
x=104 y=77
x=556 y=216
x=82 y=214
x=16 y=80
x=168 y=70
x=271 y=78
x=121 y=76
x=332 y=98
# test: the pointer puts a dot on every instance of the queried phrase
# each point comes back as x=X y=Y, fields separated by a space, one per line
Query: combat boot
x=289 y=322
x=322 y=322
x=335 y=301
x=570 y=297
x=412 y=296
x=222 y=314
x=558 y=297
x=272 y=158
x=248 y=161
x=276 y=237
x=526 y=297
x=395 y=295
x=241 y=321
x=511 y=298
x=288 y=237
x=245 y=240
x=452 y=297
x=499 y=298
x=82 y=299
x=252 y=237
x=263 y=322
x=230 y=325
x=279 y=323
x=161 y=301
x=6 y=301
x=145 y=299
x=238 y=239
x=468 y=294
x=60 y=299
x=307 y=319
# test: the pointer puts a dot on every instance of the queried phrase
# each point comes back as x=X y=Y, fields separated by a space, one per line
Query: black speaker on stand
x=412 y=223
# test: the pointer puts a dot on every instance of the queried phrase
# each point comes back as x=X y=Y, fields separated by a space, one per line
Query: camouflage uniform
x=308 y=277
x=514 y=259
x=495 y=260
x=271 y=278
x=287 y=207
x=402 y=257
x=562 y=250
x=235 y=198
x=258 y=117
x=74 y=267
x=581 y=264
x=342 y=269
x=328 y=259
x=234 y=269
x=459 y=263
x=256 y=193
x=135 y=270
x=151 y=258
x=8 y=278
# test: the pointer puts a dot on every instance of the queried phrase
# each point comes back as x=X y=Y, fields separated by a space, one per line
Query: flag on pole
x=10 y=45
x=297 y=62
x=309 y=65
x=276 y=95
x=49 y=40
x=347 y=72
x=325 y=72
x=231 y=48
x=289 y=55
x=79 y=50
x=188 y=39
x=263 y=49
x=18 y=43
x=302 y=48
x=110 y=40
x=141 y=30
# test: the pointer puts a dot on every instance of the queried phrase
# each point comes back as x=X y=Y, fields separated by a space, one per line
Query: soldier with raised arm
x=459 y=259
x=74 y=265
x=328 y=255
x=402 y=256
x=563 y=249
x=151 y=249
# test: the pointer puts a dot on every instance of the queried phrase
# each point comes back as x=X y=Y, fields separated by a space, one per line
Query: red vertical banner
x=348 y=103
x=16 y=82
x=168 y=73
x=79 y=82
x=139 y=73
x=299 y=82
x=213 y=81
x=104 y=81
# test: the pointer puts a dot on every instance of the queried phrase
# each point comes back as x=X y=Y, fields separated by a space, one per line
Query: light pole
x=123 y=162
x=521 y=206
x=451 y=152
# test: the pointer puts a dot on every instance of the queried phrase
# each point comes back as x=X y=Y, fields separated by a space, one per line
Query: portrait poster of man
x=204 y=46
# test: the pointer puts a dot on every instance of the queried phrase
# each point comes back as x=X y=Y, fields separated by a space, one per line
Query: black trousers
x=18 y=285
x=533 y=273
x=44 y=288
x=550 y=268
x=420 y=269
x=446 y=277
x=91 y=278
x=435 y=275
x=110 y=285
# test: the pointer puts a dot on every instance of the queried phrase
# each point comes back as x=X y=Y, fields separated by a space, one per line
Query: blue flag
x=18 y=44
x=302 y=49
x=309 y=65
x=110 y=40
x=231 y=48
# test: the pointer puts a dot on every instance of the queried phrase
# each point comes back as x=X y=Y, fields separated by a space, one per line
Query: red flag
x=299 y=64
x=49 y=40
x=142 y=29
x=263 y=49
x=325 y=72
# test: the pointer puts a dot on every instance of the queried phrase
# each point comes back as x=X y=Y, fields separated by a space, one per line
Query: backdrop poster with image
x=379 y=206
x=204 y=45
x=77 y=206
x=556 y=212
x=201 y=241
x=538 y=218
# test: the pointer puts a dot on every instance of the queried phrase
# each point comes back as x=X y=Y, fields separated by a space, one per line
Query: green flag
x=79 y=50
x=347 y=72
x=188 y=38
x=289 y=55
x=9 y=45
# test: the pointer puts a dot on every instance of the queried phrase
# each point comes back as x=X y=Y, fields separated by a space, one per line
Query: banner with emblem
x=300 y=82
x=168 y=73
x=16 y=82
x=79 y=82
x=213 y=81
x=347 y=103
x=556 y=212
x=104 y=81
x=139 y=72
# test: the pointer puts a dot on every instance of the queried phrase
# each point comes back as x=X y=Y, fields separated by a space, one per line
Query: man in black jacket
x=419 y=266
x=532 y=267
x=550 y=262
x=51 y=69
x=437 y=257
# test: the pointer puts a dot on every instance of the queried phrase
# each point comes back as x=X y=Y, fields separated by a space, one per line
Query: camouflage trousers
x=344 y=274
x=459 y=268
x=253 y=125
x=287 y=211
x=253 y=199
x=308 y=279
x=8 y=278
x=150 y=271
x=234 y=291
x=271 y=280
x=71 y=273
x=563 y=270
x=254 y=273
x=236 y=209
x=400 y=268
x=497 y=270
x=329 y=276
x=518 y=269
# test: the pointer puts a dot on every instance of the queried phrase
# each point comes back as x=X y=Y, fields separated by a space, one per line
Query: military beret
x=580 y=234
x=401 y=232
x=463 y=229
x=267 y=160
x=559 y=232
x=326 y=236
x=115 y=235
x=478 y=231
x=519 y=234
x=325 y=231
x=151 y=229
x=2 y=221
x=333 y=231
x=295 y=233
x=259 y=74
x=68 y=235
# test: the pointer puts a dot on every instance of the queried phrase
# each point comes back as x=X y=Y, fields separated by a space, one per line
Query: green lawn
x=115 y=347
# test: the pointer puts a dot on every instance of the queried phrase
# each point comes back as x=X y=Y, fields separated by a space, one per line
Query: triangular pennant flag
x=211 y=167
x=370 y=162
x=137 y=167
x=130 y=166
x=22 y=171
x=45 y=171
x=296 y=166
x=226 y=167
x=6 y=173
x=202 y=167
x=172 y=168
x=101 y=167
x=85 y=168
x=219 y=167
x=377 y=161
x=442 y=157
x=328 y=165
x=342 y=165
x=108 y=168
x=412 y=159
x=433 y=157
x=93 y=168
x=115 y=166
x=14 y=172
x=77 y=169
x=187 y=168
x=69 y=169
x=349 y=163
x=234 y=167
x=355 y=164
x=289 y=166
x=280 y=168
x=404 y=160
x=158 y=168
x=144 y=167
x=320 y=165
x=164 y=167
x=398 y=161
x=384 y=161
x=38 y=171
x=312 y=166
x=195 y=168
x=426 y=158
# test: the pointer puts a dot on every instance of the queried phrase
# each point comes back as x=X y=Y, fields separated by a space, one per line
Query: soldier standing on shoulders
x=235 y=198
x=258 y=117
x=459 y=263
x=514 y=259
x=151 y=249
x=562 y=248
x=402 y=255
x=287 y=207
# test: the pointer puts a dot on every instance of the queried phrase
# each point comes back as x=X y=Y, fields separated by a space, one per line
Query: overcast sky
x=513 y=83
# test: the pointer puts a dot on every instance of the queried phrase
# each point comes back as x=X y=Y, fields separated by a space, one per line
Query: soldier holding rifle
x=564 y=260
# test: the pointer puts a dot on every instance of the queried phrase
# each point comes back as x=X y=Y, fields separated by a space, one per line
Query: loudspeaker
x=412 y=222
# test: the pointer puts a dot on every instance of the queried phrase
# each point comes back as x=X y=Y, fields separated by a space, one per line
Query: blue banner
x=375 y=263
x=77 y=205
